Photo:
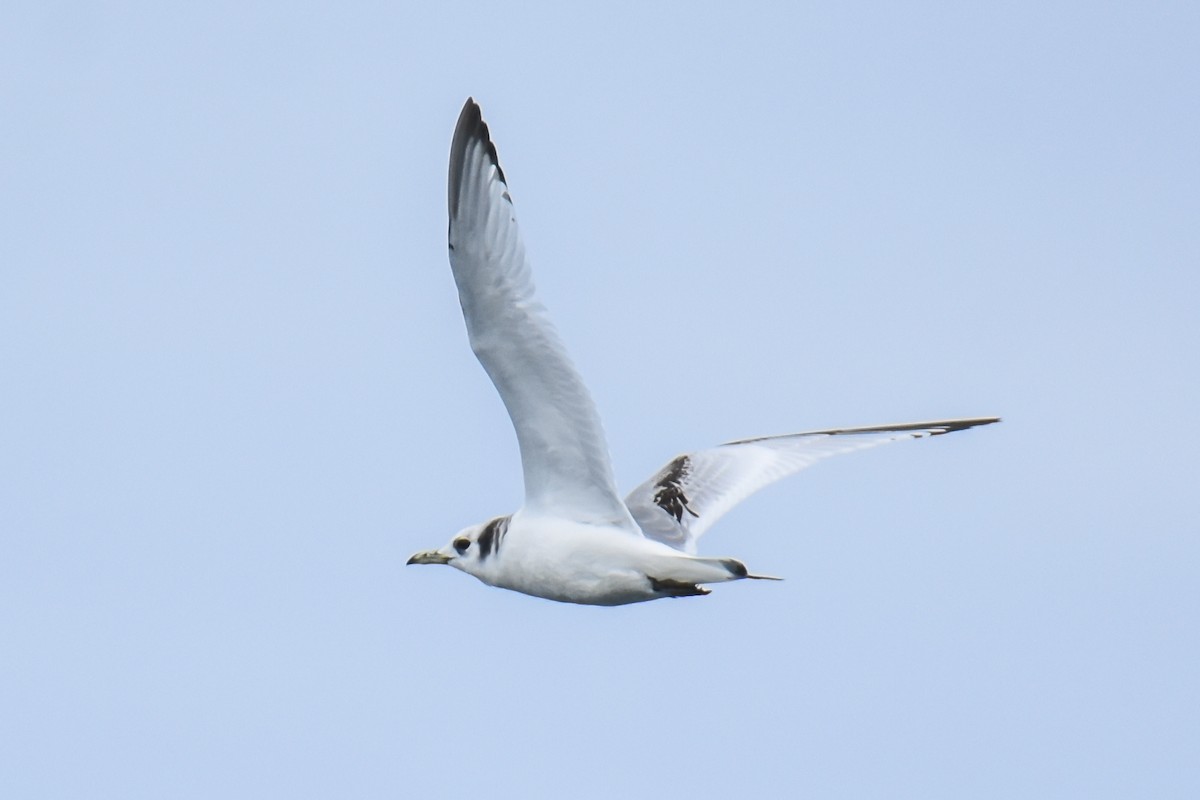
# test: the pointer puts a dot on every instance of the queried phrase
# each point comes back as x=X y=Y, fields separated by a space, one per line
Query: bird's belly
x=601 y=575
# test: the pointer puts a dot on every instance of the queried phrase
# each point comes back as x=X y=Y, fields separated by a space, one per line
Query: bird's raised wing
x=563 y=452
x=693 y=491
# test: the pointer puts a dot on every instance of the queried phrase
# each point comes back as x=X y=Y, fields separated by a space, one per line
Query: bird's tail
x=698 y=569
x=737 y=570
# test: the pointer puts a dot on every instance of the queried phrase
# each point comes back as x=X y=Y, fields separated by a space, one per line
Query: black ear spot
x=461 y=544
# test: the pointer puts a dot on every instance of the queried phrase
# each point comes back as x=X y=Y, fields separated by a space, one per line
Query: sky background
x=236 y=395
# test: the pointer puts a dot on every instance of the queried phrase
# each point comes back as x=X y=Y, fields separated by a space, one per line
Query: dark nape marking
x=670 y=496
x=935 y=428
x=673 y=588
x=489 y=540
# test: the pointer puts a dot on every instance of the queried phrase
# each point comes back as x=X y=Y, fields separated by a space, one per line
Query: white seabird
x=575 y=540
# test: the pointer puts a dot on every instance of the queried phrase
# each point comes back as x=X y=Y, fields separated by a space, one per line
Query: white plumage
x=574 y=539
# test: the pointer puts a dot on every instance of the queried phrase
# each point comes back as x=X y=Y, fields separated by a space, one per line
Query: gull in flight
x=575 y=540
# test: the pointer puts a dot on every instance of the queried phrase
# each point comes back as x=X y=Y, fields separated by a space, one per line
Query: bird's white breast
x=575 y=562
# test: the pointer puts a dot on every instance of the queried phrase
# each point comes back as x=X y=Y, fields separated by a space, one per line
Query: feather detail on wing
x=693 y=491
x=563 y=451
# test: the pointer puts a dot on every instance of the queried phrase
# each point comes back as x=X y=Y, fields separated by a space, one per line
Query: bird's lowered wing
x=693 y=491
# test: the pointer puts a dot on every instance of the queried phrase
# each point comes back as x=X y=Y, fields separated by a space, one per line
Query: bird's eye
x=461 y=544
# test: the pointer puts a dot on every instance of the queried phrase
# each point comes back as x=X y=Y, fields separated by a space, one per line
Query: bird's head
x=473 y=549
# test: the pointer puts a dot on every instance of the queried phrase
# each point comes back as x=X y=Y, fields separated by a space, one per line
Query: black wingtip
x=470 y=128
x=950 y=426
x=934 y=427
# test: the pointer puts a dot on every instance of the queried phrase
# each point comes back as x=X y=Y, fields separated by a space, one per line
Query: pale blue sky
x=237 y=395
